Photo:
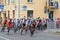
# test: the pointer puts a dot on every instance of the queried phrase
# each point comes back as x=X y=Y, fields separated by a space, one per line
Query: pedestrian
x=32 y=28
x=14 y=21
x=39 y=23
x=9 y=25
x=17 y=25
x=27 y=25
x=22 y=26
x=4 y=22
x=43 y=24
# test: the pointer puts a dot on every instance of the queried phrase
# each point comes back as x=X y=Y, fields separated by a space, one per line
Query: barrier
x=53 y=24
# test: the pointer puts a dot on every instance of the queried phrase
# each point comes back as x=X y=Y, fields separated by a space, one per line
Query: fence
x=53 y=25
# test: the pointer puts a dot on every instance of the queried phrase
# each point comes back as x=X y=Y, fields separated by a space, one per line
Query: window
x=46 y=10
x=13 y=13
x=12 y=1
x=15 y=7
x=24 y=7
x=30 y=0
x=5 y=15
x=8 y=2
x=51 y=4
x=1 y=6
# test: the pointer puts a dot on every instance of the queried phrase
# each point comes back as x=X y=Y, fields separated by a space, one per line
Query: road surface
x=39 y=35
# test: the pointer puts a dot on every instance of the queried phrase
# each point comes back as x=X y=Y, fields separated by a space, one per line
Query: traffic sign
x=56 y=5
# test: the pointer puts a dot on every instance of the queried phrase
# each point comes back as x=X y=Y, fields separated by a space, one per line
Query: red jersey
x=9 y=24
x=4 y=21
x=39 y=20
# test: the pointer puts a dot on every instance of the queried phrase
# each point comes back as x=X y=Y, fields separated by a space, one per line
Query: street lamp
x=18 y=8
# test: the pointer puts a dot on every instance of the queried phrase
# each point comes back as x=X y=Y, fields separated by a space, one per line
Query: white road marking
x=4 y=38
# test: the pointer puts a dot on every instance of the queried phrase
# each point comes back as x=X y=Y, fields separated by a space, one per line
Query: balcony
x=51 y=7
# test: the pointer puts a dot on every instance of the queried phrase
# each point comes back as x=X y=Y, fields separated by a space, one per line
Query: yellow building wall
x=8 y=7
x=37 y=6
x=57 y=11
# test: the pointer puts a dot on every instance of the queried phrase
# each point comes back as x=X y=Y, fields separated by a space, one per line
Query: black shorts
x=4 y=24
x=24 y=24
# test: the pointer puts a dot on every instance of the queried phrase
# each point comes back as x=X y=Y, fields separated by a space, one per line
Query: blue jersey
x=17 y=23
x=27 y=22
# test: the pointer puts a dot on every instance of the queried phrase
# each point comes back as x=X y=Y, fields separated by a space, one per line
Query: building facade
x=8 y=10
x=20 y=8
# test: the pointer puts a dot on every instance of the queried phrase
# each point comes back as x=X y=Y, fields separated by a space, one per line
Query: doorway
x=51 y=15
x=30 y=13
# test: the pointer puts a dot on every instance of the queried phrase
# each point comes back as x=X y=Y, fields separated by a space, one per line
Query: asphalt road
x=38 y=35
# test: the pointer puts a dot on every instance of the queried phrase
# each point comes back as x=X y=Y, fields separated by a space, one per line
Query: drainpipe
x=18 y=8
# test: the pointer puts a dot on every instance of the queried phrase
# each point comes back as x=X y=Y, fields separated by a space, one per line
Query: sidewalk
x=52 y=30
